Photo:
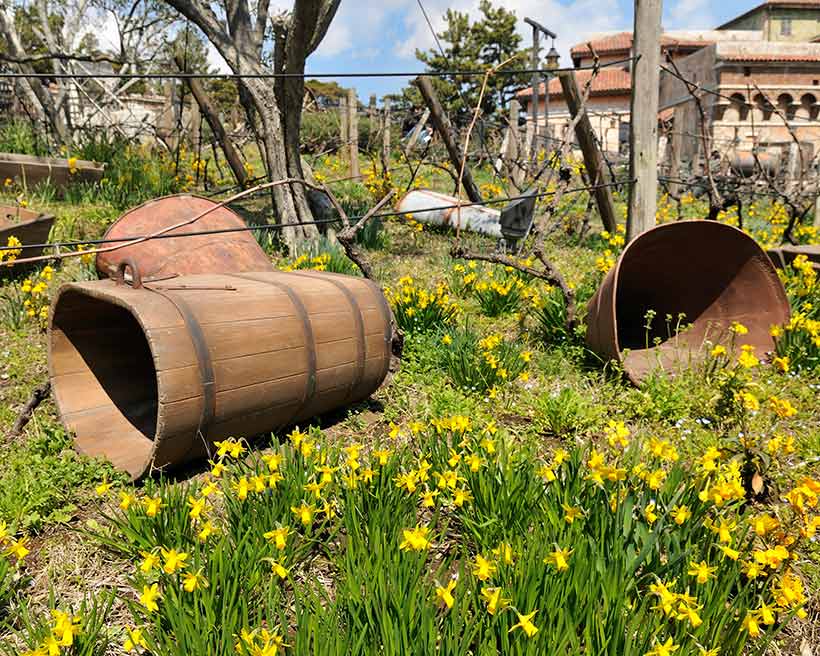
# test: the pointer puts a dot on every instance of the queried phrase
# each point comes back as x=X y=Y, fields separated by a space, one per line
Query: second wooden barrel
x=149 y=377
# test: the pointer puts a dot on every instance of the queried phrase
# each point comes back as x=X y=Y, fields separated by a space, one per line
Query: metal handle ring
x=119 y=274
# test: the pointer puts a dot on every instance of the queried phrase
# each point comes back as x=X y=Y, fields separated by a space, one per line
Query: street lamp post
x=537 y=30
x=551 y=65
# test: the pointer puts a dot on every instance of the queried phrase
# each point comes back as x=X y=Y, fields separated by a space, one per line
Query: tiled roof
x=622 y=42
x=609 y=81
x=768 y=51
x=773 y=57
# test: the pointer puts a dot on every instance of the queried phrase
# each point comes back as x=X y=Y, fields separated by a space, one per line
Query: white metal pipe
x=420 y=203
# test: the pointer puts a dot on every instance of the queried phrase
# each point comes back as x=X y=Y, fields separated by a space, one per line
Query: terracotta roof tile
x=774 y=58
x=622 y=42
x=608 y=81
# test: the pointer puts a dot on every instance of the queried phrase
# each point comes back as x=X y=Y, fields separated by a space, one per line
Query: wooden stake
x=353 y=131
x=212 y=117
x=386 y=135
x=536 y=80
x=817 y=212
x=510 y=152
x=643 y=140
x=445 y=130
x=593 y=159
x=344 y=134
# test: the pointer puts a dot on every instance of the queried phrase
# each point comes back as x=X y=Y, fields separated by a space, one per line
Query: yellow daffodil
x=150 y=561
x=494 y=599
x=445 y=593
x=278 y=537
x=17 y=548
x=174 y=560
x=135 y=640
x=525 y=624
x=194 y=581
x=663 y=649
x=559 y=559
x=304 y=513
x=153 y=506
x=483 y=569
x=680 y=514
x=415 y=539
x=149 y=597
x=701 y=571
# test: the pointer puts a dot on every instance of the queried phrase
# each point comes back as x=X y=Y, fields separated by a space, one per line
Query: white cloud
x=572 y=22
x=216 y=61
x=103 y=26
x=691 y=14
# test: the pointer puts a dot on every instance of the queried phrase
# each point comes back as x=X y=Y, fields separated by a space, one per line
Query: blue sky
x=381 y=35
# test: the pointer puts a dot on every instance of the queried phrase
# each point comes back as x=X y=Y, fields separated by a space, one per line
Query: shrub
x=550 y=312
x=498 y=290
x=482 y=365
x=418 y=310
x=797 y=343
x=467 y=541
x=322 y=255
x=63 y=632
x=43 y=479
x=565 y=413
x=18 y=136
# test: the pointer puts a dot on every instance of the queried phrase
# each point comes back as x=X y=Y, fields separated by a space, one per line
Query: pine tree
x=479 y=45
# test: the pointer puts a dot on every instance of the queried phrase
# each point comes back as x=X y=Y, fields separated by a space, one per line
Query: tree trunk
x=284 y=161
x=240 y=38
x=35 y=90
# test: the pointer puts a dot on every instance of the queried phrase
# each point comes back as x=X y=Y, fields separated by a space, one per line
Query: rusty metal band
x=203 y=356
x=385 y=312
x=307 y=331
x=358 y=319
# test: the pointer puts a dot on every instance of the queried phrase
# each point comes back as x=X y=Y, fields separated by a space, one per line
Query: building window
x=786 y=27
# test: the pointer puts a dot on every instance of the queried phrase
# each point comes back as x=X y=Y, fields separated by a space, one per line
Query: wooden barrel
x=149 y=377
x=711 y=273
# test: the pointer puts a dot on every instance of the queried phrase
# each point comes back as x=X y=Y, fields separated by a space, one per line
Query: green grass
x=350 y=587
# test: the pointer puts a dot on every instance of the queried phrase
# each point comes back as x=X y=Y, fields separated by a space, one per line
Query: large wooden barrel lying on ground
x=149 y=377
x=711 y=273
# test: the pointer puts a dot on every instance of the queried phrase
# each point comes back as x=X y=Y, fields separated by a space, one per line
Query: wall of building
x=608 y=116
x=792 y=25
x=781 y=23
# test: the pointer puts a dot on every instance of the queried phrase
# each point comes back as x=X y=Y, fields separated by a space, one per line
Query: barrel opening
x=682 y=290
x=104 y=379
x=698 y=278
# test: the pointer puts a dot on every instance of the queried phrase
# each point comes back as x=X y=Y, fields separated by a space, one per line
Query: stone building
x=610 y=93
x=767 y=56
x=780 y=20
x=757 y=94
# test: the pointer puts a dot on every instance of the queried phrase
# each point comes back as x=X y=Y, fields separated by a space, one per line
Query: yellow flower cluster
x=64 y=628
x=420 y=309
x=35 y=295
x=490 y=190
x=11 y=252
x=615 y=242
x=315 y=263
x=377 y=183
